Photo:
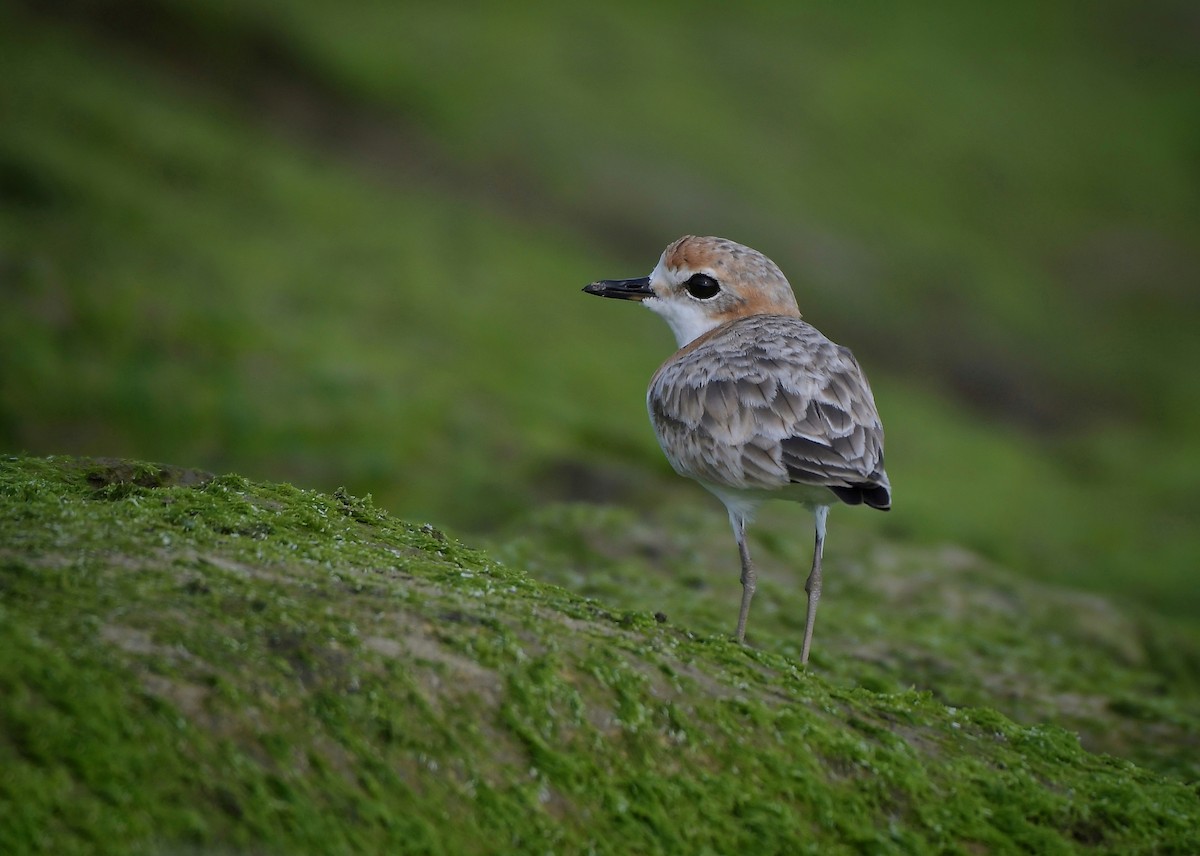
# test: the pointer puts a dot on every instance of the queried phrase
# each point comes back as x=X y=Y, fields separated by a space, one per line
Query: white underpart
x=740 y=504
x=687 y=317
x=822 y=511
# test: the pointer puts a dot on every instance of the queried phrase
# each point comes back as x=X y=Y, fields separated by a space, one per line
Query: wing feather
x=768 y=401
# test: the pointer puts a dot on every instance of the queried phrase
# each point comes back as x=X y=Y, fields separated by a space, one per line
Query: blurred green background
x=344 y=245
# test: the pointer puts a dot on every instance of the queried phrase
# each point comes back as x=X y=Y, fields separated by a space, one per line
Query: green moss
x=197 y=661
x=893 y=618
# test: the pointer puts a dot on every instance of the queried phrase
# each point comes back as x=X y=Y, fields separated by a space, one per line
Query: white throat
x=688 y=319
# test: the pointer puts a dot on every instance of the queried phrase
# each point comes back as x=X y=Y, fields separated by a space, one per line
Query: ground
x=207 y=662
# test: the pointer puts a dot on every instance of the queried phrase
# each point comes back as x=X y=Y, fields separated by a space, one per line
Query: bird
x=756 y=404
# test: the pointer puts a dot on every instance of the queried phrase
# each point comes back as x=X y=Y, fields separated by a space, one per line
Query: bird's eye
x=702 y=286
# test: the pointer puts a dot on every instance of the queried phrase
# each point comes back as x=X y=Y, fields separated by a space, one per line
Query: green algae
x=208 y=662
x=894 y=618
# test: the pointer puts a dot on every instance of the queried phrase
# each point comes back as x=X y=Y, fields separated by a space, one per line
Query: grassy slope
x=212 y=662
x=186 y=284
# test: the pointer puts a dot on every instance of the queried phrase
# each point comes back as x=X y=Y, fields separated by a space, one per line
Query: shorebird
x=756 y=404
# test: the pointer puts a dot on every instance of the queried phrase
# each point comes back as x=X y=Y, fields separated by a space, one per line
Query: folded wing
x=768 y=401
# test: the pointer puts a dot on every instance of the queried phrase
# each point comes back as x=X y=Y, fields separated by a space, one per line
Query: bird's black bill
x=625 y=289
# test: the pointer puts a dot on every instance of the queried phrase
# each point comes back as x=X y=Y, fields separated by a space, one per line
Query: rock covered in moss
x=216 y=663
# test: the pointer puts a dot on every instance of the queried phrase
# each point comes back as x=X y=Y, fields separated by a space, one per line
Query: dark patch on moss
x=22 y=184
x=115 y=479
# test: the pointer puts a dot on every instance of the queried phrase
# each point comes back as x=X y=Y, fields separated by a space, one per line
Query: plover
x=756 y=404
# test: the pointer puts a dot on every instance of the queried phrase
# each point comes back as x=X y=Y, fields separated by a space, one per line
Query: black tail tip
x=873 y=495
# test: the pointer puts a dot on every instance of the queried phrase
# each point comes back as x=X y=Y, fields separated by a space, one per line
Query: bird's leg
x=813 y=585
x=748 y=575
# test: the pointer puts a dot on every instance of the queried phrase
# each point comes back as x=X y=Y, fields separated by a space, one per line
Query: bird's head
x=701 y=283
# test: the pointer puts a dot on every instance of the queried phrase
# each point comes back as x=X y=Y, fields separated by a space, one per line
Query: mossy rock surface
x=205 y=664
x=895 y=617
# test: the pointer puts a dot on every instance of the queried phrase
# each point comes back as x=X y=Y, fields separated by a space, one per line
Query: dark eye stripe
x=702 y=286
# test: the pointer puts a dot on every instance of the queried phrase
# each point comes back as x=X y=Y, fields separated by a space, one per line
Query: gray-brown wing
x=768 y=401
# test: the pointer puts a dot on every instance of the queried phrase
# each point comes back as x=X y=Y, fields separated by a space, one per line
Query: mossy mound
x=895 y=617
x=205 y=662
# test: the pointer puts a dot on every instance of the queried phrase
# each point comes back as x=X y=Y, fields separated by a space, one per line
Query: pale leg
x=748 y=575
x=813 y=585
